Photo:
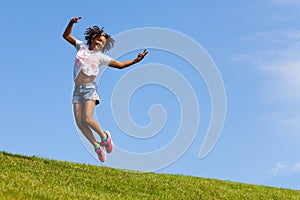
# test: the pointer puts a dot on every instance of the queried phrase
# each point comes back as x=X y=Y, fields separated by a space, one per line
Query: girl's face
x=98 y=43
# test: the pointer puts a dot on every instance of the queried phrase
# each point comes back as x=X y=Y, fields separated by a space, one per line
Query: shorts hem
x=85 y=92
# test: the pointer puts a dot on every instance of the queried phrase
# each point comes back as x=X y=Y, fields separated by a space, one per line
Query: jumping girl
x=90 y=56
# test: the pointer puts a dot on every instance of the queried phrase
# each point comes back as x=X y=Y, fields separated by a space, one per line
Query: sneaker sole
x=112 y=144
x=102 y=159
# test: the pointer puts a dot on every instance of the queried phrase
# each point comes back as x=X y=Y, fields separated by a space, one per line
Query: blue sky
x=255 y=46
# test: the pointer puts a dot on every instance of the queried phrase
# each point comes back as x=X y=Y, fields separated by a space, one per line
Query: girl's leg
x=78 y=113
x=88 y=110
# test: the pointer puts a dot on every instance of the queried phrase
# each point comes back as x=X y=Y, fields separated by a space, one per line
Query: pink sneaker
x=101 y=154
x=108 y=143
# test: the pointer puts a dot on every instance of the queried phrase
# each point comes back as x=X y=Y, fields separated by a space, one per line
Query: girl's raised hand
x=142 y=55
x=75 y=19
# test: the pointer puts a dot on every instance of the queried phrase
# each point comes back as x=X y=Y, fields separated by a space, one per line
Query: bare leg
x=88 y=110
x=78 y=113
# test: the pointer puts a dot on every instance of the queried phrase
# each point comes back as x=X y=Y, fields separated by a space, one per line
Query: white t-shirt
x=88 y=61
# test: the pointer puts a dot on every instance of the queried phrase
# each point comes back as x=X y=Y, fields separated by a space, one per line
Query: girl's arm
x=67 y=33
x=121 y=65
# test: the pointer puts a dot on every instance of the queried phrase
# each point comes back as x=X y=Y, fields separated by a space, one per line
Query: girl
x=88 y=59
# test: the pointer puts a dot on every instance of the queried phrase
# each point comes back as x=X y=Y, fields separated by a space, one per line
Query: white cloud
x=296 y=167
x=278 y=55
x=277 y=37
x=287 y=169
x=279 y=166
x=285 y=84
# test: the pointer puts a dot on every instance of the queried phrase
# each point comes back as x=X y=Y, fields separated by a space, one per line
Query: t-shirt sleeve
x=78 y=44
x=105 y=59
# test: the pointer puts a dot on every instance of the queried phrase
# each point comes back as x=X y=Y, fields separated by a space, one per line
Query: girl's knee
x=88 y=120
x=81 y=124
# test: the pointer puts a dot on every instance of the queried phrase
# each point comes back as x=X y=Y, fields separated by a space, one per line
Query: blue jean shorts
x=87 y=91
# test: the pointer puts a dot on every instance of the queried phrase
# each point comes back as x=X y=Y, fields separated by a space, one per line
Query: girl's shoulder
x=80 y=44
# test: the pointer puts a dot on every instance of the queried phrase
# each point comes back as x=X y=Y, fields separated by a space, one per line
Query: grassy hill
x=28 y=177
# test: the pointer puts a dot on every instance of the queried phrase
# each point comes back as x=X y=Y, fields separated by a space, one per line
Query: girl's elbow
x=121 y=66
x=65 y=36
x=118 y=65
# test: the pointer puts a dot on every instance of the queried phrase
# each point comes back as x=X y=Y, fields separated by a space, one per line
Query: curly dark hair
x=95 y=31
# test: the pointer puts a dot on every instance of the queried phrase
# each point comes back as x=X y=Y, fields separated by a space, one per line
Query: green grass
x=29 y=177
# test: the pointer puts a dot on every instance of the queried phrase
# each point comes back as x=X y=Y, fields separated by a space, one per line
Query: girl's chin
x=97 y=48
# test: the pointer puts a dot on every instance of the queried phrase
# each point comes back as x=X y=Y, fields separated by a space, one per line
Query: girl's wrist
x=71 y=21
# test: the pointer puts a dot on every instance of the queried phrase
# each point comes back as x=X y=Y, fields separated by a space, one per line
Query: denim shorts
x=87 y=91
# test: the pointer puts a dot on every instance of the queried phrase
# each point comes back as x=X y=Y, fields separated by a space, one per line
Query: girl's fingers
x=76 y=19
x=145 y=52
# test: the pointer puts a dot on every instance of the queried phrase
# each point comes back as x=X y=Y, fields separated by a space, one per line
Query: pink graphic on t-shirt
x=88 y=61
